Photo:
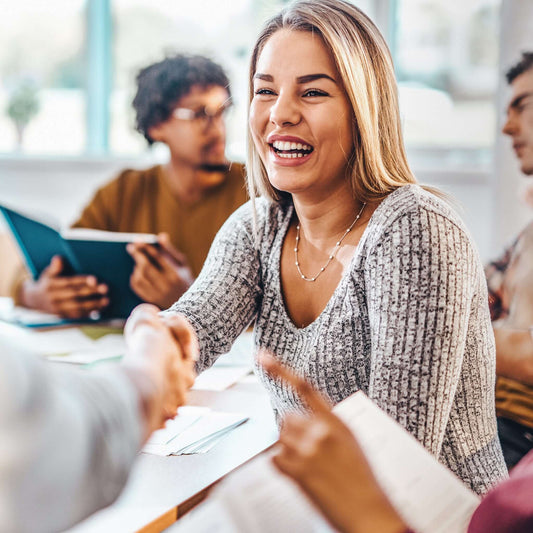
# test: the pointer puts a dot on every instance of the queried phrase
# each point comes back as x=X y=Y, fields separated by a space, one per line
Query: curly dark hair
x=525 y=64
x=161 y=85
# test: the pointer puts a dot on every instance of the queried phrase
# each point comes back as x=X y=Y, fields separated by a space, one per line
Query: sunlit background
x=78 y=60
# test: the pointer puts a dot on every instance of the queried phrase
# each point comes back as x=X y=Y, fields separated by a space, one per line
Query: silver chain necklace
x=331 y=255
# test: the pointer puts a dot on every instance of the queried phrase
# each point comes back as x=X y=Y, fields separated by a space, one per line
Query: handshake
x=159 y=361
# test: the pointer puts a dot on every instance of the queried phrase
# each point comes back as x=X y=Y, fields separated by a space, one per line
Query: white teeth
x=291 y=155
x=286 y=146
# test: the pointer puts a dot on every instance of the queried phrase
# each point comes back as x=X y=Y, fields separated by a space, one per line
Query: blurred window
x=446 y=57
x=42 y=77
x=445 y=52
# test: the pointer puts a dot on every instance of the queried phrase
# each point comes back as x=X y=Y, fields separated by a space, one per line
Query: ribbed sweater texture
x=408 y=323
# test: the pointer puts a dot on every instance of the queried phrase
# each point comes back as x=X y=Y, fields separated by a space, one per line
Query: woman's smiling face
x=300 y=117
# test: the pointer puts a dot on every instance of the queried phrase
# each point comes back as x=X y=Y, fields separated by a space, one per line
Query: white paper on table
x=209 y=424
x=29 y=317
x=109 y=346
x=187 y=415
x=56 y=341
x=219 y=378
x=258 y=499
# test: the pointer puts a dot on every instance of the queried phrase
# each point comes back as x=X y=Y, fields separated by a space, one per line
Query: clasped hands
x=161 y=351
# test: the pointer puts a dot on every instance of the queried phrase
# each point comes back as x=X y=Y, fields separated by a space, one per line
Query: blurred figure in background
x=510 y=282
x=182 y=102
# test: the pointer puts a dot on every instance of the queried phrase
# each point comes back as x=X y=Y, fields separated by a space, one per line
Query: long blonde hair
x=378 y=164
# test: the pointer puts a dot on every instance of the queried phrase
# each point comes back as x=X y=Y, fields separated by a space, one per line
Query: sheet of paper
x=209 y=424
x=187 y=415
x=258 y=499
x=108 y=347
x=428 y=496
x=30 y=317
x=220 y=377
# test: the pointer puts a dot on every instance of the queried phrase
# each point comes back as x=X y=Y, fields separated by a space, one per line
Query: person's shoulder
x=414 y=201
x=133 y=178
x=259 y=217
x=416 y=214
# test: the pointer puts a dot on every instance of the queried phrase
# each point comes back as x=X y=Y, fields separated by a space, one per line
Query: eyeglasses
x=204 y=117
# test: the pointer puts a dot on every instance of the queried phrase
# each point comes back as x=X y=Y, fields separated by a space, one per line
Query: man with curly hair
x=181 y=102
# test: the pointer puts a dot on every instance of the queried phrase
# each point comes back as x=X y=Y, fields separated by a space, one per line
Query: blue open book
x=85 y=251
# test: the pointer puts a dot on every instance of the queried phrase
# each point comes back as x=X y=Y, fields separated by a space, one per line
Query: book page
x=425 y=493
x=88 y=234
x=259 y=499
x=256 y=499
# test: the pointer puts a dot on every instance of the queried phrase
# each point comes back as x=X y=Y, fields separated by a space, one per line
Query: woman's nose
x=285 y=111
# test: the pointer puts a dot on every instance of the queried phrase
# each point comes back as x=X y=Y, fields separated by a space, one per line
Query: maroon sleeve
x=508 y=508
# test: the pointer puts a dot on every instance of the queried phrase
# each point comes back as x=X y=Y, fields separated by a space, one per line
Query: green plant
x=22 y=106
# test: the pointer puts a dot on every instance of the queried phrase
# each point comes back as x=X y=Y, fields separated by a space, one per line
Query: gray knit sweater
x=408 y=323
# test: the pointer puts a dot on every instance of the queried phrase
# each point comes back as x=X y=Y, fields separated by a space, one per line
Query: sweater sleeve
x=420 y=283
x=68 y=442
x=224 y=299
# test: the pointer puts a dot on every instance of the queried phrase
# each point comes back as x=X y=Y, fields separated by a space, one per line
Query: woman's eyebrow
x=301 y=79
x=312 y=77
x=264 y=77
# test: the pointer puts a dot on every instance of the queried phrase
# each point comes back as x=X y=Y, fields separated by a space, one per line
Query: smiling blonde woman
x=355 y=276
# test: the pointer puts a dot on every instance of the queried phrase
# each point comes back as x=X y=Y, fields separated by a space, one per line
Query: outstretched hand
x=321 y=455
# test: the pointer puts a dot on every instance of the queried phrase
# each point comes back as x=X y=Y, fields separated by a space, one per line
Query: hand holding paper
x=321 y=454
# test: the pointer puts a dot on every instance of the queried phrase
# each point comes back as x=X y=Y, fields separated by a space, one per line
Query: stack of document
x=28 y=317
x=194 y=430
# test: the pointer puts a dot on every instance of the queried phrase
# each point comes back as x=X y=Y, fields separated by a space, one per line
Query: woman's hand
x=157 y=363
x=320 y=453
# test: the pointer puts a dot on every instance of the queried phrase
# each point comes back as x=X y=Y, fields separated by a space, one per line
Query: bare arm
x=514 y=353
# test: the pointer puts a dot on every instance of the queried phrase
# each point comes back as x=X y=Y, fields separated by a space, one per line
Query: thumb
x=171 y=250
x=55 y=267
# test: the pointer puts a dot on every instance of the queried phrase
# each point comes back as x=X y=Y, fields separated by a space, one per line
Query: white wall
x=61 y=188
x=57 y=188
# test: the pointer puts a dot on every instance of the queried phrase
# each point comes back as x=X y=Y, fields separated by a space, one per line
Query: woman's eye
x=263 y=91
x=315 y=92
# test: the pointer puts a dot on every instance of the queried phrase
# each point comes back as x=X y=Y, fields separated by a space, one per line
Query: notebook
x=85 y=251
